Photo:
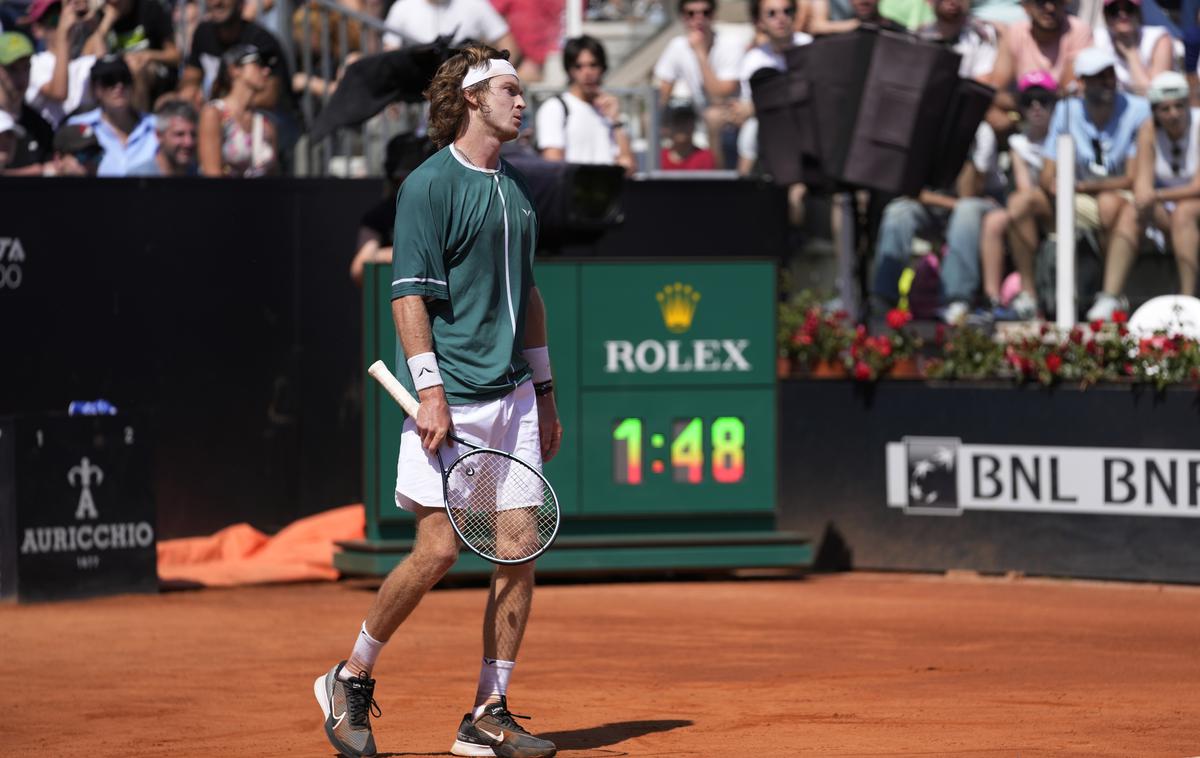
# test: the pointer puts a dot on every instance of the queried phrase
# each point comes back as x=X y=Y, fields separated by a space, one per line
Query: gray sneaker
x=348 y=707
x=497 y=733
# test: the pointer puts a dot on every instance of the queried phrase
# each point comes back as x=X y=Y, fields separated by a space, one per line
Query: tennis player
x=472 y=326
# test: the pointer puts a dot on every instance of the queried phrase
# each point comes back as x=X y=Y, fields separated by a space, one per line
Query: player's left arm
x=549 y=428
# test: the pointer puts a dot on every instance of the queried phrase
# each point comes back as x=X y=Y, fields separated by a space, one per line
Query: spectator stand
x=639 y=107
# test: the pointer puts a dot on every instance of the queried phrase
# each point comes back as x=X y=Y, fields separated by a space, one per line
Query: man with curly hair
x=472 y=327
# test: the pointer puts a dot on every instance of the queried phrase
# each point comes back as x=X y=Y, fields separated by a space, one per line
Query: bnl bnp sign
x=944 y=476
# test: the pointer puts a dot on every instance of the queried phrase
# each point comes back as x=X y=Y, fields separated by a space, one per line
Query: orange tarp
x=240 y=554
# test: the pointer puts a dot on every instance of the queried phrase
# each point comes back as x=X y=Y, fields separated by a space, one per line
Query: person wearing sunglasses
x=700 y=67
x=235 y=137
x=1103 y=125
x=1141 y=52
x=1027 y=213
x=1166 y=190
x=127 y=135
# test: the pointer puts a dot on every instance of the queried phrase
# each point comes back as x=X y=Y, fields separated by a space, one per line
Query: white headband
x=493 y=67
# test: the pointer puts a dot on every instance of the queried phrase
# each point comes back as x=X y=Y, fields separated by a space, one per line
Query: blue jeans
x=904 y=218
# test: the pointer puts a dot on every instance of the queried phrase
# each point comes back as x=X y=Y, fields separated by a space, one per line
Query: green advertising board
x=665 y=382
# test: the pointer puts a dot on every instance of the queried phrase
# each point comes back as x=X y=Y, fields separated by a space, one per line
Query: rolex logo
x=678 y=305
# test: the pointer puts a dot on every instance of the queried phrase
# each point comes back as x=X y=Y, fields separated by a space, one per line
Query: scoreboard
x=665 y=379
x=664 y=376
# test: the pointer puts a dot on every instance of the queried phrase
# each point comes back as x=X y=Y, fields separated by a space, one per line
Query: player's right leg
x=346 y=692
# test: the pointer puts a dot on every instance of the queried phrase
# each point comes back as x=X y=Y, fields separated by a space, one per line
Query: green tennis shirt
x=464 y=240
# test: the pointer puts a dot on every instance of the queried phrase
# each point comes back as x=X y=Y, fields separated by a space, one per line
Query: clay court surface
x=838 y=665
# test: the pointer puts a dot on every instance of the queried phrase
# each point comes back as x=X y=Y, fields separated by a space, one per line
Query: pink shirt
x=1029 y=56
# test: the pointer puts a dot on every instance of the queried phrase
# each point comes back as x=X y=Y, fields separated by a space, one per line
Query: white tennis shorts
x=509 y=423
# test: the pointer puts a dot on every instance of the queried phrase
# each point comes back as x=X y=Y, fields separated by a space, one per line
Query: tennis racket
x=501 y=507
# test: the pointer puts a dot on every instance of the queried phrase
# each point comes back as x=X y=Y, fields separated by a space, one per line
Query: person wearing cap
x=1141 y=52
x=223 y=29
x=472 y=328
x=142 y=32
x=127 y=135
x=175 y=123
x=58 y=76
x=236 y=139
x=1027 y=212
x=1166 y=190
x=35 y=142
x=77 y=152
x=1103 y=124
x=1048 y=40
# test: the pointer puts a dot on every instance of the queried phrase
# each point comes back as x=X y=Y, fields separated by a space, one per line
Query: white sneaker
x=956 y=313
x=1024 y=305
x=1105 y=305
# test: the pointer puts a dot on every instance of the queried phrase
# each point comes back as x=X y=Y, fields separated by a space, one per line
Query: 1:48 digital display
x=685 y=451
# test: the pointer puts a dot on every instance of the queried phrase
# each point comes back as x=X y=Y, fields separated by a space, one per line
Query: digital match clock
x=686 y=450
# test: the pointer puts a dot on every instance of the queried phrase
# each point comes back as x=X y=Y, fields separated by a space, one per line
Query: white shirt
x=420 y=22
x=583 y=133
x=1021 y=148
x=1150 y=37
x=1184 y=154
x=986 y=157
x=765 y=56
x=79 y=91
x=977 y=43
x=678 y=64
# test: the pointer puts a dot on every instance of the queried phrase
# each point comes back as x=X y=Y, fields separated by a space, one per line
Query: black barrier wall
x=224 y=310
x=221 y=309
x=1098 y=483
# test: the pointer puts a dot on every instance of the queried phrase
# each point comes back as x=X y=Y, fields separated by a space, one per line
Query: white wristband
x=424 y=370
x=539 y=361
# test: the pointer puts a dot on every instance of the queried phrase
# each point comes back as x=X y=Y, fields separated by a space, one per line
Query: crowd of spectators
x=149 y=87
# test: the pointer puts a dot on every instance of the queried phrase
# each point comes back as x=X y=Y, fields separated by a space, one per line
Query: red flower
x=1129 y=369
x=862 y=372
x=1053 y=362
x=800 y=338
x=860 y=331
x=1120 y=317
x=1122 y=330
x=1044 y=330
x=1096 y=325
x=897 y=318
x=1076 y=335
x=883 y=346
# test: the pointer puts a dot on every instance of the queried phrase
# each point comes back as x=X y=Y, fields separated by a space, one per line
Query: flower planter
x=827 y=370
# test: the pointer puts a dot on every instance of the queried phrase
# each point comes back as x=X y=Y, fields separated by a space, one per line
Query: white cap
x=1093 y=60
x=8 y=125
x=1169 y=85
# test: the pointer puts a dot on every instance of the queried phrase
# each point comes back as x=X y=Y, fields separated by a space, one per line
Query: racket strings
x=501 y=506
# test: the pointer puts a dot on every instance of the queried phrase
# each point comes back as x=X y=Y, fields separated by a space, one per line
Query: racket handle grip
x=380 y=372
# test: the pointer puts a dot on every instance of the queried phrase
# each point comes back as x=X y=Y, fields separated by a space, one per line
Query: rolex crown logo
x=678 y=305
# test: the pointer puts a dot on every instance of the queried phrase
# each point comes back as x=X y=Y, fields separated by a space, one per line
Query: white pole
x=574 y=18
x=1064 y=289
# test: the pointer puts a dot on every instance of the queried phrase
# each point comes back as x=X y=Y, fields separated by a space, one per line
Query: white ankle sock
x=362 y=658
x=493 y=680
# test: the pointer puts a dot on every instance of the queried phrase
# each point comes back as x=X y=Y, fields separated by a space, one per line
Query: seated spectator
x=1048 y=41
x=583 y=124
x=141 y=31
x=773 y=23
x=10 y=131
x=868 y=12
x=1141 y=52
x=1027 y=213
x=700 y=67
x=955 y=213
x=978 y=42
x=419 y=22
x=223 y=30
x=36 y=138
x=77 y=152
x=1166 y=190
x=837 y=16
x=537 y=28
x=126 y=135
x=176 y=124
x=682 y=154
x=403 y=154
x=236 y=139
x=1103 y=124
x=58 y=76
